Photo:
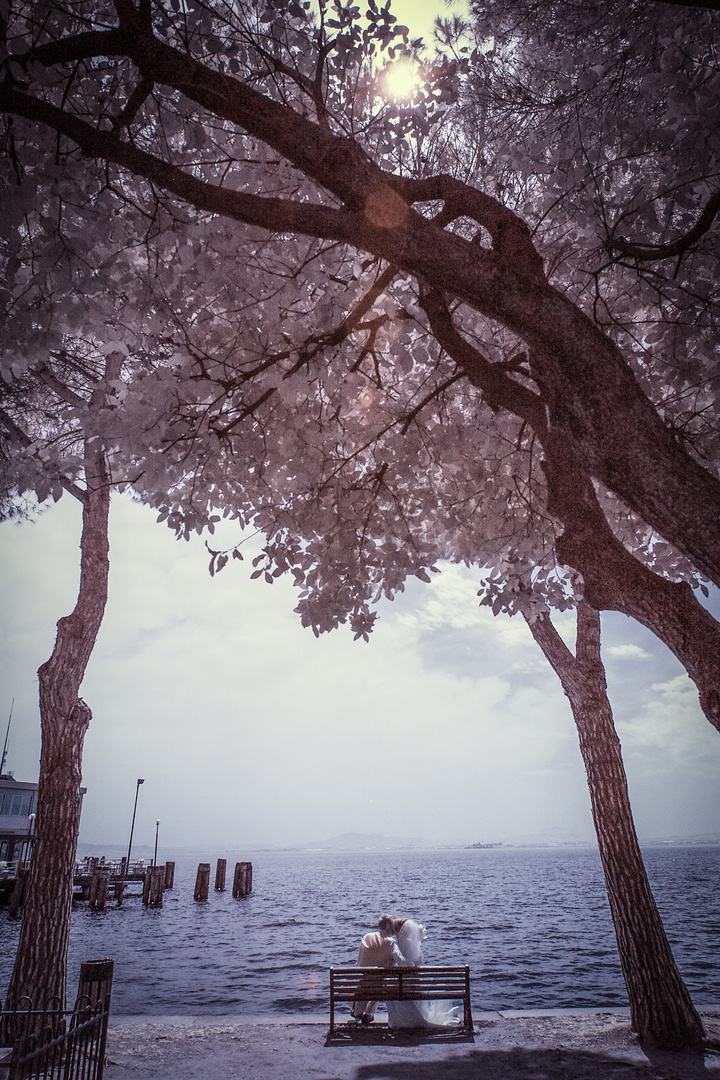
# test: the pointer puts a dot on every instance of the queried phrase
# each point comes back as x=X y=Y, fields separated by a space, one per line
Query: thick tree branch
x=499 y=390
x=276 y=215
x=708 y=5
x=555 y=651
x=48 y=378
x=133 y=105
x=649 y=252
x=586 y=385
x=613 y=578
x=510 y=235
x=78 y=47
x=339 y=164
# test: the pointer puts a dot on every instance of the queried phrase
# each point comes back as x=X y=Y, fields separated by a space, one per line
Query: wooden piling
x=153 y=886
x=220 y=875
x=18 y=893
x=169 y=875
x=95 y=982
x=242 y=881
x=99 y=889
x=202 y=881
x=119 y=892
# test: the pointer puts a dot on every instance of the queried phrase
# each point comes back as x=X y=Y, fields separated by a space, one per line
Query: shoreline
x=299 y=1018
x=537 y=1044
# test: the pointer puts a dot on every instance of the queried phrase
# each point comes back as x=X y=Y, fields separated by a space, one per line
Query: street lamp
x=132 y=827
x=27 y=852
x=157 y=830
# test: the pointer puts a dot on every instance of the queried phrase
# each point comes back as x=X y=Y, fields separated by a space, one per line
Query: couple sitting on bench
x=396 y=944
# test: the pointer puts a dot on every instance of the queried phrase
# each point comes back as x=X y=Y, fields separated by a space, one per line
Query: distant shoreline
x=146 y=851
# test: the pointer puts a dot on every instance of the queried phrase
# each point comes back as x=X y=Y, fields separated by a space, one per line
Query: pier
x=98 y=881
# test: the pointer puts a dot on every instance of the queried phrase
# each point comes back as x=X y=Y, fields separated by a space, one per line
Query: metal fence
x=58 y=1044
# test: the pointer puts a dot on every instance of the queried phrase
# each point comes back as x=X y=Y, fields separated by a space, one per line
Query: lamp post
x=157 y=830
x=27 y=850
x=7 y=736
x=132 y=827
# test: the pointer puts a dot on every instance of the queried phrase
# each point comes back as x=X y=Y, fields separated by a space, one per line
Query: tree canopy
x=478 y=323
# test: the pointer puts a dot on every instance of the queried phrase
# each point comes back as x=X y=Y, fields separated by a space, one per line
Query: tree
x=322 y=388
x=41 y=961
x=661 y=1011
x=157 y=76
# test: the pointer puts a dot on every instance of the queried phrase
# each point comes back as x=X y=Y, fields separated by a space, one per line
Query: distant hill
x=709 y=839
x=560 y=837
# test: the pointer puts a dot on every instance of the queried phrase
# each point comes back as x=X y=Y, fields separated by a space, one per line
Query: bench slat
x=425 y=970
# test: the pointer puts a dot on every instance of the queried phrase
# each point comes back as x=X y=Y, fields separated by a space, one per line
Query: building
x=18 y=807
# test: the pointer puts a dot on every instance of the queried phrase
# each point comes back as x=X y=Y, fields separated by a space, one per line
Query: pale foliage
x=250 y=389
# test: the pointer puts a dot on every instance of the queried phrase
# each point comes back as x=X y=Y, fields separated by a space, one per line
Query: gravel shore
x=580 y=1044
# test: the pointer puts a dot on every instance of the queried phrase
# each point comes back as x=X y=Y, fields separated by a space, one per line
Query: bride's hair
x=385 y=924
x=397 y=925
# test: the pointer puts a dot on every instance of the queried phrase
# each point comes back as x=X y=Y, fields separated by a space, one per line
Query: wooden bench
x=348 y=984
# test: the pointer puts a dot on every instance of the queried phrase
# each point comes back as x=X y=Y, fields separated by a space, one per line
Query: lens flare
x=401 y=80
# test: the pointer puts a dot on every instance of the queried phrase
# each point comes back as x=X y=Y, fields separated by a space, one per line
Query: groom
x=378 y=949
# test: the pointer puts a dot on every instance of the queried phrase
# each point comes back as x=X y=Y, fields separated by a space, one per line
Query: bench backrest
x=399 y=984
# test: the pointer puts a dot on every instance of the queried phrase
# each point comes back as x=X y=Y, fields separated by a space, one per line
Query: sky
x=248 y=731
x=449 y=725
x=419 y=15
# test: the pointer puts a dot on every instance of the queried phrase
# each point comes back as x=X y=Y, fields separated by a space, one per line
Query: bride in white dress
x=415 y=1014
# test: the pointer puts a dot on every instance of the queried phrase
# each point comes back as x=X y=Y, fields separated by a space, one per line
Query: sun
x=401 y=80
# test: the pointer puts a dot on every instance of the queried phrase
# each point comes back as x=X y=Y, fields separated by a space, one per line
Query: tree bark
x=40 y=970
x=661 y=1010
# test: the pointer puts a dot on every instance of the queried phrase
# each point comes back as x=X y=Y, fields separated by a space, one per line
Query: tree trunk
x=40 y=970
x=661 y=1011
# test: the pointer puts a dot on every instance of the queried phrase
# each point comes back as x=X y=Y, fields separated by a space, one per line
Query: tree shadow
x=549 y=1064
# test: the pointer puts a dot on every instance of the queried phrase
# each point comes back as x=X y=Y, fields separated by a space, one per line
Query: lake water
x=533 y=924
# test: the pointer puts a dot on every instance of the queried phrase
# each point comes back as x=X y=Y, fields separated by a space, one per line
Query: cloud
x=632 y=651
x=248 y=729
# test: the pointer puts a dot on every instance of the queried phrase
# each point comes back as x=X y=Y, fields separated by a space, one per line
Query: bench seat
x=427 y=983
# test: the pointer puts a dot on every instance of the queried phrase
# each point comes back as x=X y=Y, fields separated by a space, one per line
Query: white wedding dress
x=416 y=1014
